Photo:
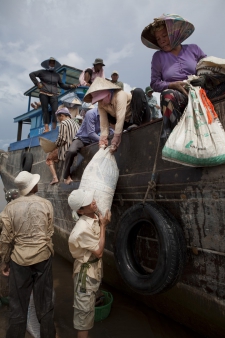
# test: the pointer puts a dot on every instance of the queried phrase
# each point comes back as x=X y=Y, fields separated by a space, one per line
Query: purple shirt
x=167 y=67
x=90 y=128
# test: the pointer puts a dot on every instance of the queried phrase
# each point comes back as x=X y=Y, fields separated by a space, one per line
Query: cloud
x=73 y=59
x=115 y=57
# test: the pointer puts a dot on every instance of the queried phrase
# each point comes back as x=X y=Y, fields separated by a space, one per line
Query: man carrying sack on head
x=86 y=244
x=26 y=250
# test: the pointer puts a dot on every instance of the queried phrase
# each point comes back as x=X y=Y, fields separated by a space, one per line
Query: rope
x=152 y=183
x=208 y=106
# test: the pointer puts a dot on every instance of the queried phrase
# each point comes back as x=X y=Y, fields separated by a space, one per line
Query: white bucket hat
x=80 y=198
x=25 y=182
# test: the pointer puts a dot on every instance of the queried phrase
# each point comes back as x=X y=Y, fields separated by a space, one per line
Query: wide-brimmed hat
x=148 y=89
x=97 y=61
x=46 y=144
x=80 y=198
x=45 y=64
x=26 y=181
x=71 y=100
x=11 y=194
x=114 y=72
x=87 y=106
x=178 y=28
x=97 y=85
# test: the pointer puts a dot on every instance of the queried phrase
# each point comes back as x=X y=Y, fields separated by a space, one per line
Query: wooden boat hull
x=194 y=196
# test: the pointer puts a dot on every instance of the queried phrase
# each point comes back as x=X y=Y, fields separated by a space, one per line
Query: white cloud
x=115 y=57
x=73 y=59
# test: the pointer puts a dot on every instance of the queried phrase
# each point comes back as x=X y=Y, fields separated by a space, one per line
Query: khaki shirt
x=118 y=83
x=119 y=107
x=28 y=229
x=84 y=239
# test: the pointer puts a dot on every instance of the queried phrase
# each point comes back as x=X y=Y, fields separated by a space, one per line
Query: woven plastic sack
x=198 y=140
x=101 y=175
x=210 y=65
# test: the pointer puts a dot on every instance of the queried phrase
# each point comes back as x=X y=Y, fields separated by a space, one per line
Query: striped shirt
x=67 y=131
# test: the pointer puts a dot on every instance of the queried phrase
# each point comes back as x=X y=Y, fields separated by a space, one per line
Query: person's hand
x=200 y=82
x=180 y=86
x=39 y=85
x=74 y=85
x=158 y=107
x=113 y=148
x=106 y=219
x=103 y=142
x=5 y=269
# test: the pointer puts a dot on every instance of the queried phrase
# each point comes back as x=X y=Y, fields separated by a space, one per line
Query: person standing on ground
x=67 y=131
x=26 y=249
x=48 y=89
x=152 y=103
x=86 y=244
x=115 y=77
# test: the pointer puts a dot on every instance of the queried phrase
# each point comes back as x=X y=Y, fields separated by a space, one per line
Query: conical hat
x=97 y=85
x=46 y=144
x=178 y=29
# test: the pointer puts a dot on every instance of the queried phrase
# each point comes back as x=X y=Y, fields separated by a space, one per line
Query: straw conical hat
x=178 y=29
x=47 y=145
x=97 y=85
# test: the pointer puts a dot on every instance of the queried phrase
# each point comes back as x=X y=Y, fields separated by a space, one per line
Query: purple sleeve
x=200 y=53
x=156 y=74
x=91 y=127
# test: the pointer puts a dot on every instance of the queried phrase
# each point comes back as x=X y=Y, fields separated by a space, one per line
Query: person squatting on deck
x=27 y=250
x=172 y=64
x=87 y=134
x=117 y=107
x=48 y=89
x=67 y=131
x=86 y=244
x=89 y=74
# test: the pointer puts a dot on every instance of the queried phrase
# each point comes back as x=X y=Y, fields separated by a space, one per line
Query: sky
x=77 y=32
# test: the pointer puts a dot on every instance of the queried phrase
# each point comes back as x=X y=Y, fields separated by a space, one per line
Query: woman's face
x=162 y=39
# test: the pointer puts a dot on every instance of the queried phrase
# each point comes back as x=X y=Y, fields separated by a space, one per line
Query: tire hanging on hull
x=171 y=249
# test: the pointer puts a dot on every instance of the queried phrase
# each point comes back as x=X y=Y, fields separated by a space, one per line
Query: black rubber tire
x=171 y=255
x=26 y=161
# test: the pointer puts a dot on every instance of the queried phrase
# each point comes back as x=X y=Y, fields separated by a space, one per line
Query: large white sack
x=101 y=175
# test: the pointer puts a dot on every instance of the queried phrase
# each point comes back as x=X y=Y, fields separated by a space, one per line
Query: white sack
x=101 y=175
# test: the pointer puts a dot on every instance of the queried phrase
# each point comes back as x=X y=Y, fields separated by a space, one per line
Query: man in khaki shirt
x=26 y=250
x=86 y=244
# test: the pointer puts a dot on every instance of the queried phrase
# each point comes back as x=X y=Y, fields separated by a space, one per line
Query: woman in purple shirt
x=171 y=65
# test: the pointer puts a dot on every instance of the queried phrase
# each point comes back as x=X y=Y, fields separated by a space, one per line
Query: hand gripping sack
x=101 y=175
x=198 y=140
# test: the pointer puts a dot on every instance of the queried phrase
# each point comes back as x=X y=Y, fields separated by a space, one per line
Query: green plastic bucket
x=102 y=312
